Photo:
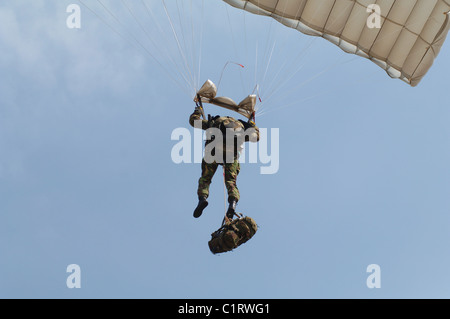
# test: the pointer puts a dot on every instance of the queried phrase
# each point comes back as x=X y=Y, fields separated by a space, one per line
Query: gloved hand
x=198 y=110
x=251 y=123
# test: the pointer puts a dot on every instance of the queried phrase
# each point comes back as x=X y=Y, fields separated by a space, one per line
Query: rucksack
x=232 y=234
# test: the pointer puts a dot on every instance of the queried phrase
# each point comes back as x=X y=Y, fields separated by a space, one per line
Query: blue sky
x=86 y=175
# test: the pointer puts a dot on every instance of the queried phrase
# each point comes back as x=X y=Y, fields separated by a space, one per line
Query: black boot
x=202 y=203
x=231 y=208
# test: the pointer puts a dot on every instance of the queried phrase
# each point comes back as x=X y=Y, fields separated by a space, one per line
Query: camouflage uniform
x=231 y=171
x=232 y=168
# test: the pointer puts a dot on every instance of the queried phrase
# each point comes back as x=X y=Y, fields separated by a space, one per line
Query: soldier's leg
x=231 y=173
x=208 y=171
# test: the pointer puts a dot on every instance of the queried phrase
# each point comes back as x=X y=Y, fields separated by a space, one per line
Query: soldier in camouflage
x=224 y=139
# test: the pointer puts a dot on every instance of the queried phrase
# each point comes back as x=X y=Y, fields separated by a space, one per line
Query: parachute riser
x=199 y=104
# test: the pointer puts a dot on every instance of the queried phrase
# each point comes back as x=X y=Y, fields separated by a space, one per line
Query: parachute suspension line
x=166 y=53
x=201 y=44
x=256 y=90
x=142 y=27
x=136 y=43
x=275 y=87
x=269 y=48
x=180 y=49
x=191 y=69
x=291 y=71
x=357 y=80
x=244 y=13
x=313 y=77
x=319 y=74
x=268 y=64
x=299 y=56
x=194 y=54
x=109 y=11
x=324 y=71
x=183 y=37
x=105 y=22
x=192 y=41
x=233 y=40
x=223 y=70
x=285 y=106
x=266 y=60
x=256 y=63
x=196 y=49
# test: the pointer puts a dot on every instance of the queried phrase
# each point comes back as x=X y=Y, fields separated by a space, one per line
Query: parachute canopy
x=208 y=94
x=405 y=44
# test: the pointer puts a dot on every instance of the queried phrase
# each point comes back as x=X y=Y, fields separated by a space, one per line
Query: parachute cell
x=405 y=43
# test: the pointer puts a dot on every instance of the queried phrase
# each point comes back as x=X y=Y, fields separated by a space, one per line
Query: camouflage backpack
x=232 y=234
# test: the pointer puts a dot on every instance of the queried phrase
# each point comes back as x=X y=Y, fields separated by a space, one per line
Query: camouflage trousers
x=231 y=171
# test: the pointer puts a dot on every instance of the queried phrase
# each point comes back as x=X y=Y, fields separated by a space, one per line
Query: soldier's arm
x=197 y=116
x=254 y=136
x=251 y=132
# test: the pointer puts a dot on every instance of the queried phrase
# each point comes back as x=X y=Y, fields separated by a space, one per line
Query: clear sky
x=87 y=178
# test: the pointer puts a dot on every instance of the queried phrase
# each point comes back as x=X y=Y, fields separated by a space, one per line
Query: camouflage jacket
x=228 y=126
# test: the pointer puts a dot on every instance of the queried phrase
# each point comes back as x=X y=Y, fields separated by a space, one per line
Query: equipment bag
x=232 y=234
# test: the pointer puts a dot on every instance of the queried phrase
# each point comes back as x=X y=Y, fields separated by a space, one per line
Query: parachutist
x=225 y=136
